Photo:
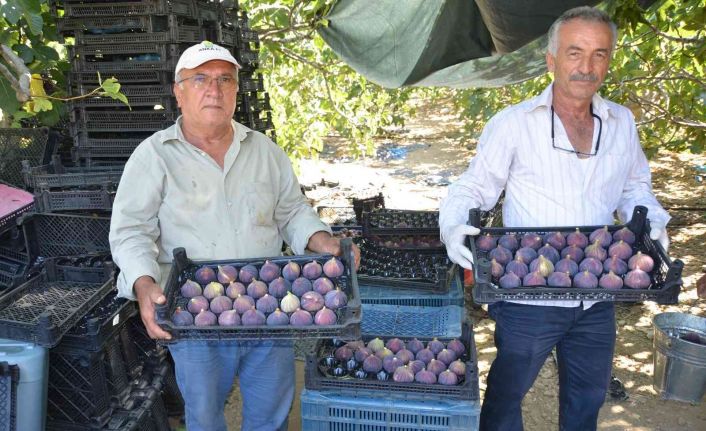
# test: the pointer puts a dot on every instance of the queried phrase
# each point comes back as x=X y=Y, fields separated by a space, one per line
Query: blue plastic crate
x=330 y=411
x=375 y=294
x=397 y=320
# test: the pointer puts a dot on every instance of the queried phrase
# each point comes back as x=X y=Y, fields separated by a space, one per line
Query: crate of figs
x=400 y=222
x=603 y=263
x=400 y=367
x=284 y=297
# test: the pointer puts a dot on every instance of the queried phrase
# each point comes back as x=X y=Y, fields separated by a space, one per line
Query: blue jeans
x=205 y=372
x=524 y=336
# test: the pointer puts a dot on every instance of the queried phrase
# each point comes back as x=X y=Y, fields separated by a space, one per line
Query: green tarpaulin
x=452 y=43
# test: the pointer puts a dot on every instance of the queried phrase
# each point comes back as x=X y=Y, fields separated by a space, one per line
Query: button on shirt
x=549 y=187
x=172 y=194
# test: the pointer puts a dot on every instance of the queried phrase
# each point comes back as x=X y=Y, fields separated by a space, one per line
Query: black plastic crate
x=110 y=140
x=94 y=268
x=9 y=379
x=142 y=7
x=167 y=102
x=55 y=235
x=665 y=284
x=56 y=176
x=249 y=84
x=417 y=243
x=400 y=222
x=364 y=205
x=148 y=116
x=317 y=376
x=43 y=309
x=117 y=24
x=72 y=200
x=139 y=349
x=180 y=34
x=160 y=51
x=85 y=75
x=348 y=326
x=9 y=221
x=16 y=145
x=12 y=273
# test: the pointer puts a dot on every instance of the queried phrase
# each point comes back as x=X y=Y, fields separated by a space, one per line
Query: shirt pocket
x=260 y=202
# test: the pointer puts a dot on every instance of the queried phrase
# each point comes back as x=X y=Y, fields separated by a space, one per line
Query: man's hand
x=456 y=247
x=149 y=293
x=323 y=242
x=659 y=234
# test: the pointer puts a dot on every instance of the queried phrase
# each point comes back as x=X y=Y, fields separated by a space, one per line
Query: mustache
x=583 y=77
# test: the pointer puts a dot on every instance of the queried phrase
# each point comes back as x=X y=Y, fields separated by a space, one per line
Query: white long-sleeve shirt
x=172 y=194
x=549 y=187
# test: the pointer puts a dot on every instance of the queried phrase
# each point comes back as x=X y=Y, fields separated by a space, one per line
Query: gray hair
x=585 y=13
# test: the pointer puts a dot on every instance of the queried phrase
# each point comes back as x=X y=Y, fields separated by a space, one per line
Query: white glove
x=455 y=244
x=659 y=234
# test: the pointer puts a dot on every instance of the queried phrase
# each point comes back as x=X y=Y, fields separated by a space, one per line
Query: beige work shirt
x=172 y=194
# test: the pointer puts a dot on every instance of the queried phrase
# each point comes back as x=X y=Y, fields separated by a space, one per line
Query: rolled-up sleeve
x=134 y=227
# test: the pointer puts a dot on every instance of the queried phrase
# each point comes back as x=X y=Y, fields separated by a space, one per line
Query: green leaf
x=24 y=52
x=40 y=104
x=118 y=96
x=110 y=86
x=34 y=22
x=52 y=117
x=30 y=6
x=8 y=99
x=45 y=53
x=11 y=12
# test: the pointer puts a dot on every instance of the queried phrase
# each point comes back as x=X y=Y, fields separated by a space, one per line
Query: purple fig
x=372 y=364
x=555 y=239
x=405 y=355
x=229 y=318
x=219 y=304
x=566 y=264
x=526 y=255
x=234 y=289
x=247 y=274
x=510 y=281
x=435 y=346
x=213 y=289
x=391 y=363
x=610 y=281
x=624 y=234
x=312 y=270
x=517 y=267
x=496 y=270
x=376 y=344
x=325 y=317
x=509 y=241
x=383 y=353
x=425 y=355
x=458 y=367
x=333 y=268
x=196 y=304
x=577 y=238
x=559 y=279
x=182 y=317
x=301 y=285
x=532 y=240
x=585 y=280
x=596 y=251
x=620 y=249
x=267 y=304
x=290 y=303
x=301 y=318
x=362 y=353
x=416 y=366
x=549 y=252
x=414 y=345
x=616 y=265
x=205 y=275
x=343 y=353
x=446 y=356
x=592 y=265
x=457 y=346
x=243 y=303
x=253 y=317
x=355 y=345
x=257 y=289
x=436 y=366
x=500 y=254
x=336 y=299
x=637 y=279
x=534 y=279
x=277 y=318
x=574 y=252
x=403 y=374
x=448 y=378
x=395 y=344
x=322 y=285
x=486 y=242
x=291 y=271
x=190 y=289
x=269 y=271
x=312 y=301
x=227 y=274
x=642 y=261
x=542 y=265
x=601 y=235
x=279 y=287
x=205 y=318
x=425 y=376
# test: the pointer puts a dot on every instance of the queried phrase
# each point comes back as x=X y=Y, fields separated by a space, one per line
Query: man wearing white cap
x=221 y=191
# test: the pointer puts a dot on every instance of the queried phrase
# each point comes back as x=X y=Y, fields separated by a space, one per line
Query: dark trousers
x=524 y=336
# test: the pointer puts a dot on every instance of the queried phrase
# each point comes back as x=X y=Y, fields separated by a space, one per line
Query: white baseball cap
x=196 y=55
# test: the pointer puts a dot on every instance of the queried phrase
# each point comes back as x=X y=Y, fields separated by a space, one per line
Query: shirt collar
x=600 y=107
x=174 y=133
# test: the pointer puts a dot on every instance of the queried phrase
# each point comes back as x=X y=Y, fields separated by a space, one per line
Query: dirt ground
x=413 y=167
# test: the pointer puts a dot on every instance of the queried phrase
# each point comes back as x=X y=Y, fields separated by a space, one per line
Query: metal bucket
x=679 y=365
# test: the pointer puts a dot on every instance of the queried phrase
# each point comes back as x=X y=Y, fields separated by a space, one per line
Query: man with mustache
x=564 y=158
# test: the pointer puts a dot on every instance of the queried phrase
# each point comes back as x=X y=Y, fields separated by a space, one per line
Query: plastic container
x=85 y=269
x=56 y=176
x=32 y=387
x=347 y=326
x=405 y=321
x=400 y=222
x=324 y=411
x=316 y=376
x=16 y=145
x=665 y=284
x=9 y=378
x=54 y=235
x=13 y=203
x=145 y=7
x=73 y=200
x=380 y=294
x=679 y=363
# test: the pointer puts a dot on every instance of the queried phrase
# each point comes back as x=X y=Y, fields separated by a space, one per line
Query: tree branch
x=19 y=83
x=667 y=36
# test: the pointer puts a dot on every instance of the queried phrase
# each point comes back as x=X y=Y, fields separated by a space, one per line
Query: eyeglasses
x=200 y=81
x=579 y=153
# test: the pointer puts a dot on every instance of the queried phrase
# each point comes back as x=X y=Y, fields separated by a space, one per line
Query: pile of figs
x=406 y=264
x=295 y=295
x=431 y=362
x=408 y=241
x=600 y=259
x=403 y=219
